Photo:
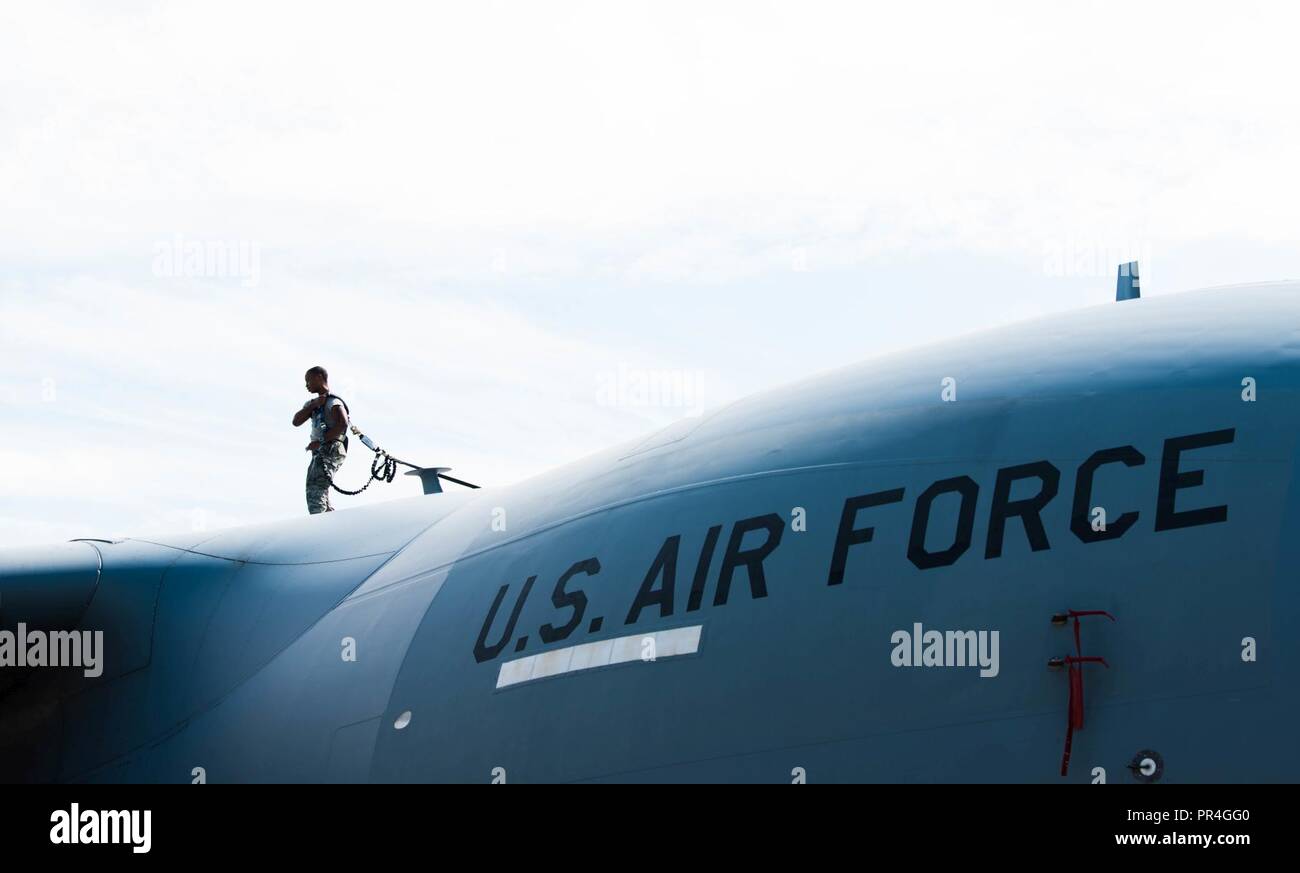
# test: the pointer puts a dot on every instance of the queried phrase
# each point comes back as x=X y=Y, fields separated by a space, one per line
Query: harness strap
x=345 y=409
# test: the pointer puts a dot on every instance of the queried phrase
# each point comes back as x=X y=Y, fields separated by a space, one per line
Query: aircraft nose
x=47 y=587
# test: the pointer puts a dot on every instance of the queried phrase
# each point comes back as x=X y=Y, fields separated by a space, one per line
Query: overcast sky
x=496 y=222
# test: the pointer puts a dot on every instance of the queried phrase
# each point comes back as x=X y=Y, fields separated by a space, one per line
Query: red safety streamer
x=1074 y=709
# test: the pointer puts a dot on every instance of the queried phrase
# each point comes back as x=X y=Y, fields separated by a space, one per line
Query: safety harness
x=384 y=466
x=325 y=421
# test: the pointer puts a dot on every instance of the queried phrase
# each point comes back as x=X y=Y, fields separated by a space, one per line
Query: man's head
x=318 y=381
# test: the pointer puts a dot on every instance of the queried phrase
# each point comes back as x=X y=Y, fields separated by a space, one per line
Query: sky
x=518 y=233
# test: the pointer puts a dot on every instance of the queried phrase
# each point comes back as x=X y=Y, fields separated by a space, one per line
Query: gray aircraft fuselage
x=752 y=594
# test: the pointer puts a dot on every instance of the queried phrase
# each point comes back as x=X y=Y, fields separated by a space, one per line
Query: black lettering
x=916 y=553
x=1079 y=520
x=665 y=565
x=577 y=601
x=752 y=559
x=702 y=568
x=1172 y=480
x=1028 y=509
x=484 y=652
x=849 y=535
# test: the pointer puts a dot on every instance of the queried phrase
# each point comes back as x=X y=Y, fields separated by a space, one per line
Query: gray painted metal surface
x=229 y=652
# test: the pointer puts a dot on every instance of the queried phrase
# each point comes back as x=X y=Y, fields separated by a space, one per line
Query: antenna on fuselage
x=1127 y=286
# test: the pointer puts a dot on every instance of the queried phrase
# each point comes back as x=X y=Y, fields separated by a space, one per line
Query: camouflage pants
x=325 y=463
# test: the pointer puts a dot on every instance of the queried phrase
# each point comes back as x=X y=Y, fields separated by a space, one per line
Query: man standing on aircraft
x=329 y=442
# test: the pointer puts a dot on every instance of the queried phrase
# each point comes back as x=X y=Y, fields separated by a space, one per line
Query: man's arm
x=303 y=414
